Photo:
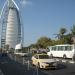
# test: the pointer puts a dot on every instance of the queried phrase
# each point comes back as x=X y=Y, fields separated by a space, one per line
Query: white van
x=64 y=50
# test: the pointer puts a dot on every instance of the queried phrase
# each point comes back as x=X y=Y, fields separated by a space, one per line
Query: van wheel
x=64 y=56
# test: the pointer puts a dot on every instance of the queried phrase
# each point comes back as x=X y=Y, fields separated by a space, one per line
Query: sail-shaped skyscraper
x=11 y=25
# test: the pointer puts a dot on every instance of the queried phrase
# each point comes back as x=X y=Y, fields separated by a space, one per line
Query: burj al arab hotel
x=11 y=33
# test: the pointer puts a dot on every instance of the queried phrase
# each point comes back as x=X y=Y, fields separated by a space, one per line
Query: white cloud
x=25 y=2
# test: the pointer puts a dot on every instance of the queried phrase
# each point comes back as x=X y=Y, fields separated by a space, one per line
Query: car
x=21 y=54
x=43 y=61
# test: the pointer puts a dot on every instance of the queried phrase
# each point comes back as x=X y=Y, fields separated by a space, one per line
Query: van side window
x=53 y=48
x=68 y=48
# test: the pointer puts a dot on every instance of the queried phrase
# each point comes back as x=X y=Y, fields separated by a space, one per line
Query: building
x=12 y=29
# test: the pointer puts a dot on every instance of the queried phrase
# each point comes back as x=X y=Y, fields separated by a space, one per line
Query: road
x=65 y=67
x=11 y=67
x=20 y=66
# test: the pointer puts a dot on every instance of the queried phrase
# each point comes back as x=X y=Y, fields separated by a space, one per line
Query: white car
x=43 y=61
x=21 y=54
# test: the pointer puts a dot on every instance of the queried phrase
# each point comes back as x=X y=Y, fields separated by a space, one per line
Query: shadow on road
x=61 y=66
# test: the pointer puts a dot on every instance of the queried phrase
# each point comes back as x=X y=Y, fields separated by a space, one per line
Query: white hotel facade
x=13 y=30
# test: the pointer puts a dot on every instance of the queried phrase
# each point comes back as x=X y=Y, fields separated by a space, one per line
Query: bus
x=64 y=50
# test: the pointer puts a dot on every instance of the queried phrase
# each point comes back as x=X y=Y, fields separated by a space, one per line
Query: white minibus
x=64 y=50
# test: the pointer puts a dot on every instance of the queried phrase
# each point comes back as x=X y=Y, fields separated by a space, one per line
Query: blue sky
x=44 y=17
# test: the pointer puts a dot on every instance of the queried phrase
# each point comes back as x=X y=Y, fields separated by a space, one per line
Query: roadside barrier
x=29 y=66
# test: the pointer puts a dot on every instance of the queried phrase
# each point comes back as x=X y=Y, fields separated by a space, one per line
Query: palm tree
x=73 y=30
x=73 y=33
x=62 y=32
x=57 y=36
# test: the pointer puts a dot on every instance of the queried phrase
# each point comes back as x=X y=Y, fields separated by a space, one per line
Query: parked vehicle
x=65 y=51
x=20 y=53
x=43 y=61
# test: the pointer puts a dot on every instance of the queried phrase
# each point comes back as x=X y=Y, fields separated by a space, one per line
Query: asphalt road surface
x=64 y=68
x=11 y=67
x=17 y=66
